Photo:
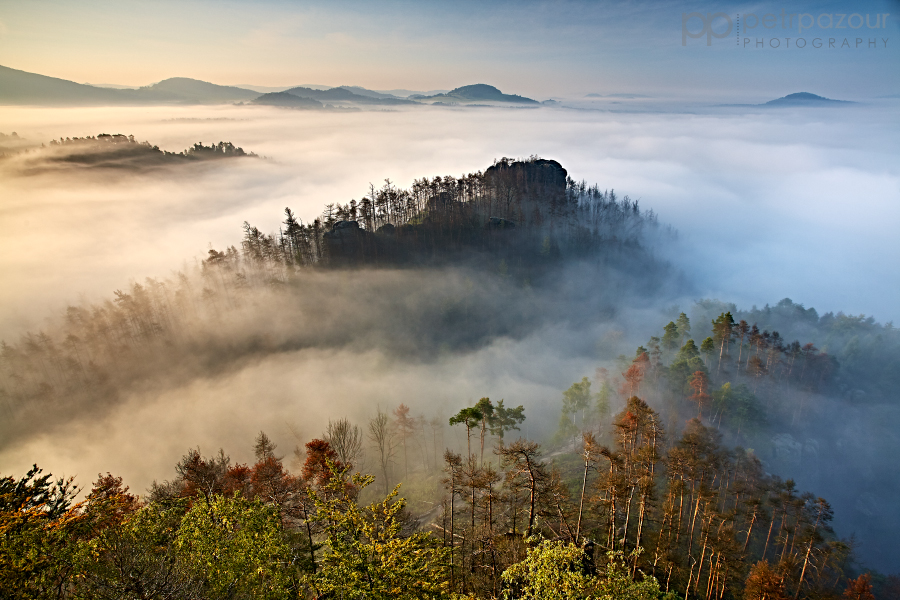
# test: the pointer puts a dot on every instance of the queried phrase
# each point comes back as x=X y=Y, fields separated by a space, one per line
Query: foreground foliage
x=365 y=554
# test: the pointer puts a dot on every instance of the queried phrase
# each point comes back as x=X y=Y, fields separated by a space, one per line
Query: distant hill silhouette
x=340 y=94
x=480 y=92
x=23 y=88
x=399 y=92
x=805 y=99
x=370 y=93
x=287 y=100
x=183 y=89
x=20 y=87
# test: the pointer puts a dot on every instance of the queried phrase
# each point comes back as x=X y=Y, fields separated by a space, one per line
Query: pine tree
x=723 y=331
x=487 y=410
x=671 y=339
x=470 y=417
x=505 y=419
x=684 y=327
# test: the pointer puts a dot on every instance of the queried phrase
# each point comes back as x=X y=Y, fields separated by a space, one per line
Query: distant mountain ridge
x=477 y=92
x=795 y=100
x=23 y=88
x=341 y=94
x=804 y=99
x=180 y=89
x=287 y=100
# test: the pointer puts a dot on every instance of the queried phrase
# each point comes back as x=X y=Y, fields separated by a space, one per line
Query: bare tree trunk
x=768 y=536
x=581 y=501
x=750 y=530
x=627 y=518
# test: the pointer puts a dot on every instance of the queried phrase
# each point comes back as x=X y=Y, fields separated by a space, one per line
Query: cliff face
x=348 y=243
x=530 y=193
x=537 y=177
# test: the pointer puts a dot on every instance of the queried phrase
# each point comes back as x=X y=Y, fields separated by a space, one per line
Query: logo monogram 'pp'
x=707 y=20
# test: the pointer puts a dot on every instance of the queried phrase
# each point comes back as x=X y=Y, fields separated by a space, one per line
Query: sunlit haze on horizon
x=538 y=49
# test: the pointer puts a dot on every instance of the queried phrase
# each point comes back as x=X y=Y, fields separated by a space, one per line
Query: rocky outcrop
x=530 y=192
x=526 y=176
x=346 y=241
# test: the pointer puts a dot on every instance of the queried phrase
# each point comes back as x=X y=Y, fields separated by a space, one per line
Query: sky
x=539 y=49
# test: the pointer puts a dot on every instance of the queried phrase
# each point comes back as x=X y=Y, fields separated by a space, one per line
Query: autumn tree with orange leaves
x=859 y=588
x=699 y=383
x=764 y=583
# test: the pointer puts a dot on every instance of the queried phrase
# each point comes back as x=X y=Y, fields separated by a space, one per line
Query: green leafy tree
x=238 y=546
x=37 y=527
x=558 y=571
x=575 y=399
x=550 y=571
x=617 y=583
x=139 y=557
x=366 y=555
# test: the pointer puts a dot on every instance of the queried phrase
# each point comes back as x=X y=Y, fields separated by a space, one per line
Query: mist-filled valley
x=158 y=298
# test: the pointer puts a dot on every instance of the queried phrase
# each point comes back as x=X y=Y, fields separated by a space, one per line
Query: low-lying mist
x=766 y=202
x=767 y=205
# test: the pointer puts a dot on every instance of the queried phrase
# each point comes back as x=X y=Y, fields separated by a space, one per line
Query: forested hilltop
x=526 y=212
x=105 y=151
x=677 y=468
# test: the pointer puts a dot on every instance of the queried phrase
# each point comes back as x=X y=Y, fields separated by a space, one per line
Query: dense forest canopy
x=675 y=469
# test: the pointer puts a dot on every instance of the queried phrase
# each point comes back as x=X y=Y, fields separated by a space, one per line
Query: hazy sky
x=534 y=48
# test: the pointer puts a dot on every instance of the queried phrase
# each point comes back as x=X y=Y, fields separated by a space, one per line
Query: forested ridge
x=108 y=151
x=658 y=480
x=527 y=212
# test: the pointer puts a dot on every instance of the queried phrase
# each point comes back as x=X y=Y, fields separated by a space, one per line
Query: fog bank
x=782 y=196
